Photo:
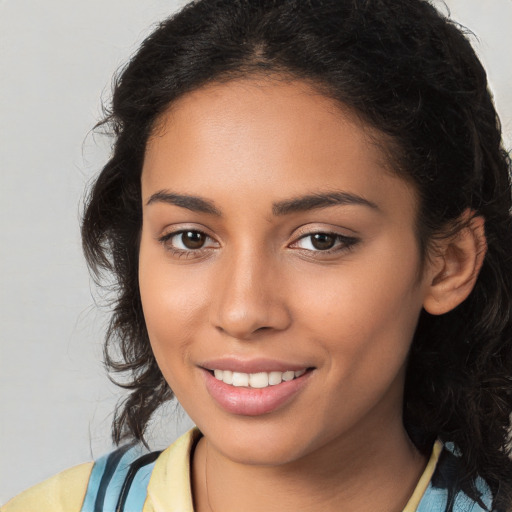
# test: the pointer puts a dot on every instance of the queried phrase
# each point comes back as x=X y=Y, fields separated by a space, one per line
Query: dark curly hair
x=412 y=74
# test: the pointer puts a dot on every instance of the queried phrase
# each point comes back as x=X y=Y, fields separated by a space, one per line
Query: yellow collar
x=169 y=487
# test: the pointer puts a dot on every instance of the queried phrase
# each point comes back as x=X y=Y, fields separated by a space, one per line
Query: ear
x=455 y=265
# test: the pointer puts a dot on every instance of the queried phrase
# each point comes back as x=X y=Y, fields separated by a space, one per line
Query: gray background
x=56 y=60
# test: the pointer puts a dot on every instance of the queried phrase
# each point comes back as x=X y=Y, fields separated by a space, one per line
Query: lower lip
x=253 y=401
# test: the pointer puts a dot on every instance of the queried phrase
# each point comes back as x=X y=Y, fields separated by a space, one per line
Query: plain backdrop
x=56 y=62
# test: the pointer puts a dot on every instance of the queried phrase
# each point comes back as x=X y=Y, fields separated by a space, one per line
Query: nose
x=250 y=298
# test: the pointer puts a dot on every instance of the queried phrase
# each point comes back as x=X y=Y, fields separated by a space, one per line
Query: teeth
x=290 y=375
x=240 y=379
x=227 y=376
x=256 y=380
x=275 y=378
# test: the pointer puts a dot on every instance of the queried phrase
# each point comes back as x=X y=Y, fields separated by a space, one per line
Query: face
x=279 y=270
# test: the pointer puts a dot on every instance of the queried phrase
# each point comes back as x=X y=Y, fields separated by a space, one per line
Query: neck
x=376 y=471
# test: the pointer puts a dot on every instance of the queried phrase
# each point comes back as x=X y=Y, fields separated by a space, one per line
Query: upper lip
x=252 y=365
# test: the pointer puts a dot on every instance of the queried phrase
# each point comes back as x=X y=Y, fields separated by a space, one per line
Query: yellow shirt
x=168 y=490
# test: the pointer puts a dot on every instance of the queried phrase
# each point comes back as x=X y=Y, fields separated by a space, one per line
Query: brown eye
x=190 y=242
x=193 y=239
x=328 y=243
x=323 y=241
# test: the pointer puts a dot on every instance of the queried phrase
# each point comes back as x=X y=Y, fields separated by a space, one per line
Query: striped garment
x=131 y=479
x=119 y=481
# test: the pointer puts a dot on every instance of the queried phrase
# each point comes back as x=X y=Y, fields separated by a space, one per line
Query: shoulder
x=118 y=481
x=63 y=492
x=440 y=495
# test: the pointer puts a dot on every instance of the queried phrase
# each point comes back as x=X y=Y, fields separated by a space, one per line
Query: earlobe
x=455 y=266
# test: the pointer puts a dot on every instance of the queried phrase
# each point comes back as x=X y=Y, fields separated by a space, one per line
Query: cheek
x=171 y=308
x=367 y=309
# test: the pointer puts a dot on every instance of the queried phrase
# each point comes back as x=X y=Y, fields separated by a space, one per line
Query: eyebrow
x=280 y=208
x=193 y=203
x=320 y=200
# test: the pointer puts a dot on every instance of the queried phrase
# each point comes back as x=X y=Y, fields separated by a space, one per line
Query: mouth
x=259 y=380
x=255 y=393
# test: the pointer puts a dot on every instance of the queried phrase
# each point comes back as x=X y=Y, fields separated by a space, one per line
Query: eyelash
x=342 y=243
x=180 y=253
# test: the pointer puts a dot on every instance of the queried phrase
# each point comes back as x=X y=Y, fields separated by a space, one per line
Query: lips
x=252 y=388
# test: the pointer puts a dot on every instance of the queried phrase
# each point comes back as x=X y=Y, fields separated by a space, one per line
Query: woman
x=307 y=211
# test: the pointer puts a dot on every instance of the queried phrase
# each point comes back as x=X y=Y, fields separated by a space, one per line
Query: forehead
x=261 y=136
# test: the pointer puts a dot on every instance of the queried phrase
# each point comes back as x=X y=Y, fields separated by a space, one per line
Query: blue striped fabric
x=436 y=500
x=439 y=495
x=119 y=480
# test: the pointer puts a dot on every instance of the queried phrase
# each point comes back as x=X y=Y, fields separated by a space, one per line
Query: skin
x=259 y=288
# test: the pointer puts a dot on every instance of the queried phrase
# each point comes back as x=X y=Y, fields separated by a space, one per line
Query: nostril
x=243 y=319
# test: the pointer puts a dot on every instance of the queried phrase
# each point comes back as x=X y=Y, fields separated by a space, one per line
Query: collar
x=169 y=488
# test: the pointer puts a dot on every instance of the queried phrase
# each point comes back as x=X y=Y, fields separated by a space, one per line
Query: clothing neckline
x=170 y=490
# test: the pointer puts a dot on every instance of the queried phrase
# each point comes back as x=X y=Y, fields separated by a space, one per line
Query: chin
x=260 y=442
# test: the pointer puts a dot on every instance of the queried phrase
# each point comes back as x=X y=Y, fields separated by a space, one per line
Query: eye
x=186 y=241
x=189 y=240
x=324 y=242
x=321 y=241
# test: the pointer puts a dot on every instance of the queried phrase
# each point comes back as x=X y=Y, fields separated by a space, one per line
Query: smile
x=258 y=380
x=256 y=392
